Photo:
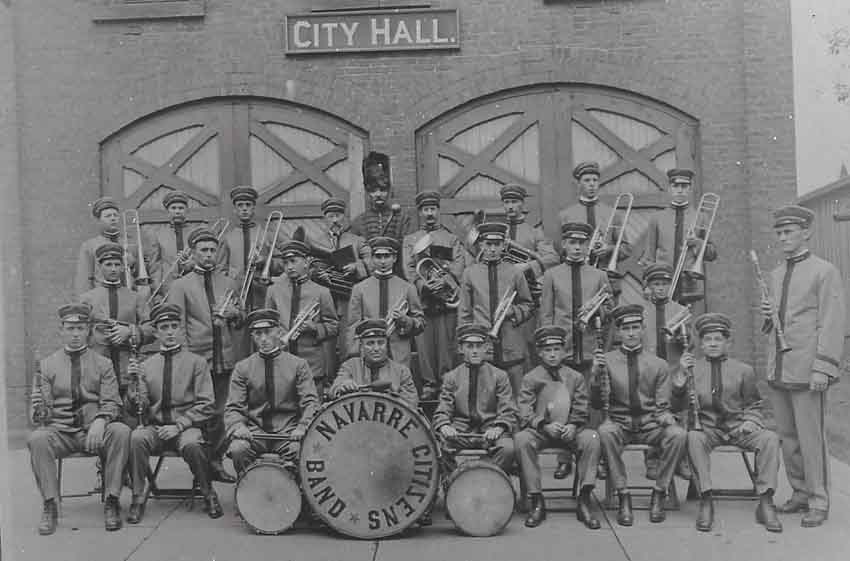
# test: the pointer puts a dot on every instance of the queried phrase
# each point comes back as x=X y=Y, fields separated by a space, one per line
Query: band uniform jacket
x=398 y=375
x=309 y=345
x=88 y=275
x=602 y=214
x=494 y=401
x=189 y=293
x=533 y=239
x=651 y=335
x=440 y=236
x=295 y=398
x=556 y=304
x=365 y=304
x=371 y=223
x=725 y=403
x=813 y=323
x=475 y=306
x=164 y=252
x=660 y=238
x=652 y=390
x=97 y=396
x=232 y=257
x=131 y=310
x=327 y=241
x=192 y=402
x=539 y=389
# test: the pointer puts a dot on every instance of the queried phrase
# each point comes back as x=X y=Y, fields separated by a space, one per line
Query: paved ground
x=172 y=532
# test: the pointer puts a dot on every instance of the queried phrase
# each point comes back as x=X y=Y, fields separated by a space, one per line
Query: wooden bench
x=738 y=493
x=611 y=502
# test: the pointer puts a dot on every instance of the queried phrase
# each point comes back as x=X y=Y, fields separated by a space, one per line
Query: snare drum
x=369 y=465
x=480 y=498
x=267 y=496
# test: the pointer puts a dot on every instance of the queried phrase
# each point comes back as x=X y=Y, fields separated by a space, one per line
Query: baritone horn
x=429 y=270
x=130 y=219
x=702 y=223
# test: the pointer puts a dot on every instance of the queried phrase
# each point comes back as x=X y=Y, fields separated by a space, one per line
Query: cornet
x=502 y=312
x=402 y=307
x=305 y=315
x=703 y=221
x=677 y=322
x=591 y=308
x=130 y=218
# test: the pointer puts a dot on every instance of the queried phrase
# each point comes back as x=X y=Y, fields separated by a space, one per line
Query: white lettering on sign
x=384 y=31
x=419 y=38
x=298 y=27
x=402 y=34
x=349 y=31
x=436 y=28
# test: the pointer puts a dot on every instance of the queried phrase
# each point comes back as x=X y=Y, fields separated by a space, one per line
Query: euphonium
x=702 y=223
x=428 y=269
x=402 y=307
x=305 y=315
x=130 y=218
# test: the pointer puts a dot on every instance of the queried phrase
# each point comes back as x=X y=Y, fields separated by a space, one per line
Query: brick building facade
x=206 y=98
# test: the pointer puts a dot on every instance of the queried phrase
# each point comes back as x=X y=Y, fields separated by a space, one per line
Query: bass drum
x=369 y=465
x=267 y=496
x=480 y=498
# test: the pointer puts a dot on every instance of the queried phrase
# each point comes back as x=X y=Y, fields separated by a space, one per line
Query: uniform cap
x=713 y=321
x=658 y=271
x=426 y=198
x=628 y=313
x=472 y=332
x=370 y=328
x=201 y=235
x=264 y=317
x=793 y=214
x=492 y=231
x=333 y=205
x=243 y=193
x=109 y=251
x=384 y=244
x=514 y=192
x=296 y=248
x=102 y=204
x=576 y=230
x=175 y=197
x=166 y=312
x=550 y=335
x=584 y=168
x=75 y=312
x=679 y=175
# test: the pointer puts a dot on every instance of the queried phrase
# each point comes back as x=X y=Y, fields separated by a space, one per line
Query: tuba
x=703 y=221
x=130 y=219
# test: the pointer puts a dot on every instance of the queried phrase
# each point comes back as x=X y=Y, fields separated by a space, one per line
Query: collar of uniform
x=516 y=220
x=300 y=280
x=382 y=274
x=569 y=261
x=632 y=350
x=674 y=205
x=655 y=300
x=169 y=350
x=249 y=224
x=110 y=284
x=201 y=271
x=176 y=223
x=554 y=372
x=493 y=262
x=802 y=256
x=721 y=358
x=588 y=202
x=379 y=364
x=76 y=352
x=110 y=234
x=431 y=227
x=271 y=354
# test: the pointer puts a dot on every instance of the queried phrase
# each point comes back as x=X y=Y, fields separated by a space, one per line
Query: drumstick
x=469 y=435
x=273 y=436
x=377 y=386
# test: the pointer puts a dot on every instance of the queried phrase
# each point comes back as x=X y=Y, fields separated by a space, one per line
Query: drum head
x=368 y=465
x=480 y=498
x=268 y=498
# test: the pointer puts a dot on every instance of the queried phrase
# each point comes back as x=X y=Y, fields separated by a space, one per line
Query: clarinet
x=41 y=411
x=606 y=378
x=693 y=398
x=137 y=379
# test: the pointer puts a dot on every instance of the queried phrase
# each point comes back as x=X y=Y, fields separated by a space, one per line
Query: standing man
x=665 y=236
x=120 y=315
x=169 y=244
x=730 y=412
x=271 y=391
x=380 y=217
x=590 y=210
x=177 y=395
x=639 y=411
x=553 y=410
x=382 y=296
x=812 y=313
x=293 y=294
x=436 y=345
x=487 y=284
x=207 y=299
x=476 y=397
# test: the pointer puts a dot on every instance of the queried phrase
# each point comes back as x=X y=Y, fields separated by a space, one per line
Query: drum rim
x=262 y=463
x=466 y=466
x=431 y=438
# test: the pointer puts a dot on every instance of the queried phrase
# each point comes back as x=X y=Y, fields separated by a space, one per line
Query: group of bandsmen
x=523 y=344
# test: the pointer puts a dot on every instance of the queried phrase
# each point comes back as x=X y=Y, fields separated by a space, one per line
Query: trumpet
x=429 y=270
x=591 y=308
x=39 y=396
x=402 y=307
x=130 y=218
x=784 y=347
x=256 y=250
x=702 y=223
x=502 y=311
x=679 y=321
x=305 y=315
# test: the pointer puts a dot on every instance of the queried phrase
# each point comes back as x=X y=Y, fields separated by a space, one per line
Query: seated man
x=374 y=365
x=271 y=391
x=178 y=395
x=553 y=409
x=75 y=404
x=730 y=412
x=637 y=398
x=476 y=398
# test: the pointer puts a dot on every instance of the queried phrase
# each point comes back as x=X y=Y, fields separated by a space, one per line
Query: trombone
x=256 y=250
x=609 y=229
x=703 y=221
x=130 y=218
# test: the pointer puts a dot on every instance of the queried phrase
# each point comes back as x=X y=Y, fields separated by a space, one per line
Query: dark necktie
x=472 y=403
x=512 y=230
x=590 y=209
x=575 y=288
x=178 y=236
x=216 y=331
x=660 y=322
x=268 y=361
x=678 y=234
x=334 y=239
x=246 y=244
x=783 y=307
x=374 y=373
x=717 y=386
x=294 y=304
x=383 y=297
x=76 y=380
x=493 y=285
x=634 y=385
x=114 y=352
x=165 y=406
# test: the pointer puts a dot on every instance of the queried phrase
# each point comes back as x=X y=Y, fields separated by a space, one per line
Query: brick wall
x=725 y=62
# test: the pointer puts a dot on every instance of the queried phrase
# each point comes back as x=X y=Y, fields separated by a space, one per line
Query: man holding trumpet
x=811 y=316
x=307 y=313
x=171 y=256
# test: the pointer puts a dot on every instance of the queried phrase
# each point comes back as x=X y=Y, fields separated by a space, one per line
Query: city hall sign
x=372 y=30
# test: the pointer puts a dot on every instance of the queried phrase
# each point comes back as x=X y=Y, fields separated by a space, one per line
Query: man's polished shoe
x=49 y=516
x=656 y=507
x=705 y=517
x=625 y=517
x=793 y=506
x=766 y=514
x=563 y=471
x=112 y=514
x=218 y=473
x=584 y=512
x=814 y=518
x=137 y=511
x=538 y=511
x=212 y=506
